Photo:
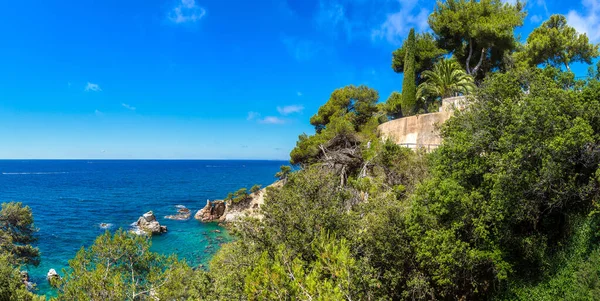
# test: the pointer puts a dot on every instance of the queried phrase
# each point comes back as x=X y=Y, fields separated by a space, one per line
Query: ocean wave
x=36 y=173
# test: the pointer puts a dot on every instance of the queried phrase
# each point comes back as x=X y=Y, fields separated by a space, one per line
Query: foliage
x=555 y=43
x=393 y=105
x=228 y=269
x=17 y=233
x=356 y=104
x=513 y=170
x=575 y=273
x=241 y=195
x=445 y=80
x=12 y=287
x=426 y=54
x=286 y=277
x=121 y=267
x=478 y=33
x=283 y=173
x=409 y=89
x=255 y=188
x=295 y=214
x=349 y=112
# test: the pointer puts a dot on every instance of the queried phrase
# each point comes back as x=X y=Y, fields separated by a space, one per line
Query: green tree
x=12 y=287
x=478 y=33
x=426 y=54
x=556 y=43
x=255 y=188
x=283 y=173
x=356 y=104
x=17 y=233
x=349 y=111
x=286 y=277
x=445 y=80
x=409 y=89
x=122 y=267
x=513 y=172
x=393 y=105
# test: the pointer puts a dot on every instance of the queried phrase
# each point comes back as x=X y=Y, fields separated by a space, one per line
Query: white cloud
x=286 y=110
x=98 y=113
x=252 y=115
x=272 y=120
x=92 y=87
x=126 y=106
x=397 y=25
x=589 y=22
x=186 y=11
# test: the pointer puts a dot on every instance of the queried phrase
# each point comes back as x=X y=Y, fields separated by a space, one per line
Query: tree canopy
x=426 y=54
x=409 y=89
x=478 y=33
x=556 y=43
x=122 y=267
x=17 y=233
x=356 y=104
x=445 y=80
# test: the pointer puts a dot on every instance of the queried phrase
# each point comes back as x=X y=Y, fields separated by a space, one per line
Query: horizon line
x=133 y=159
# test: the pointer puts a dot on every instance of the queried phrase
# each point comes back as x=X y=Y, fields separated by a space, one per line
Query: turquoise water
x=71 y=198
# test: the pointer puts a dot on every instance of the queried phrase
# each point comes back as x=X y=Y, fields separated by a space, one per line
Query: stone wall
x=421 y=130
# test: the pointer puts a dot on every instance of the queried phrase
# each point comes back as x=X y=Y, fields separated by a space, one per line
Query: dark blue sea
x=71 y=198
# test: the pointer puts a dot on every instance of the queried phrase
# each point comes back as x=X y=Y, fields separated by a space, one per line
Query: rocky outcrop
x=25 y=279
x=52 y=277
x=250 y=208
x=213 y=211
x=148 y=224
x=183 y=214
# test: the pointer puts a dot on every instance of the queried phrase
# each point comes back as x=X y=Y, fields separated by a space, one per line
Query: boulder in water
x=149 y=224
x=105 y=225
x=182 y=214
x=52 y=277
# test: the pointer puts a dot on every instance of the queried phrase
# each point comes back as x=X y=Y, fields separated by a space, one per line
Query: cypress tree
x=409 y=87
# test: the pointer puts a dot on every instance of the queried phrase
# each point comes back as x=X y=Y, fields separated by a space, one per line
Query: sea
x=70 y=199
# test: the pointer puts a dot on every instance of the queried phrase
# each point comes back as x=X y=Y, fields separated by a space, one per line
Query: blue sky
x=198 y=79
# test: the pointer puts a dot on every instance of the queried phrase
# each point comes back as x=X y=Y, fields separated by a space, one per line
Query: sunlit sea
x=70 y=199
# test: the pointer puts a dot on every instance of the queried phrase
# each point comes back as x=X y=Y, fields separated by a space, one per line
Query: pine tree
x=409 y=88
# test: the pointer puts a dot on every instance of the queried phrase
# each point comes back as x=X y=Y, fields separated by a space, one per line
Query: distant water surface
x=71 y=198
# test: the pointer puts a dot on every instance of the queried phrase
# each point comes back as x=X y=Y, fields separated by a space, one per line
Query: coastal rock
x=250 y=208
x=182 y=214
x=149 y=224
x=25 y=279
x=52 y=277
x=105 y=226
x=213 y=211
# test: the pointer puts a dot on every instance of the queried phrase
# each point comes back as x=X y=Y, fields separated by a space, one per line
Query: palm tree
x=445 y=80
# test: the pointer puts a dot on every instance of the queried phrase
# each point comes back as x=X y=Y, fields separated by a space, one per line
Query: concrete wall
x=415 y=131
x=421 y=130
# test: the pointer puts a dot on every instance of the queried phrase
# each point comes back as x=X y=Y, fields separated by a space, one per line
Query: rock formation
x=182 y=214
x=250 y=208
x=52 y=277
x=149 y=224
x=213 y=211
